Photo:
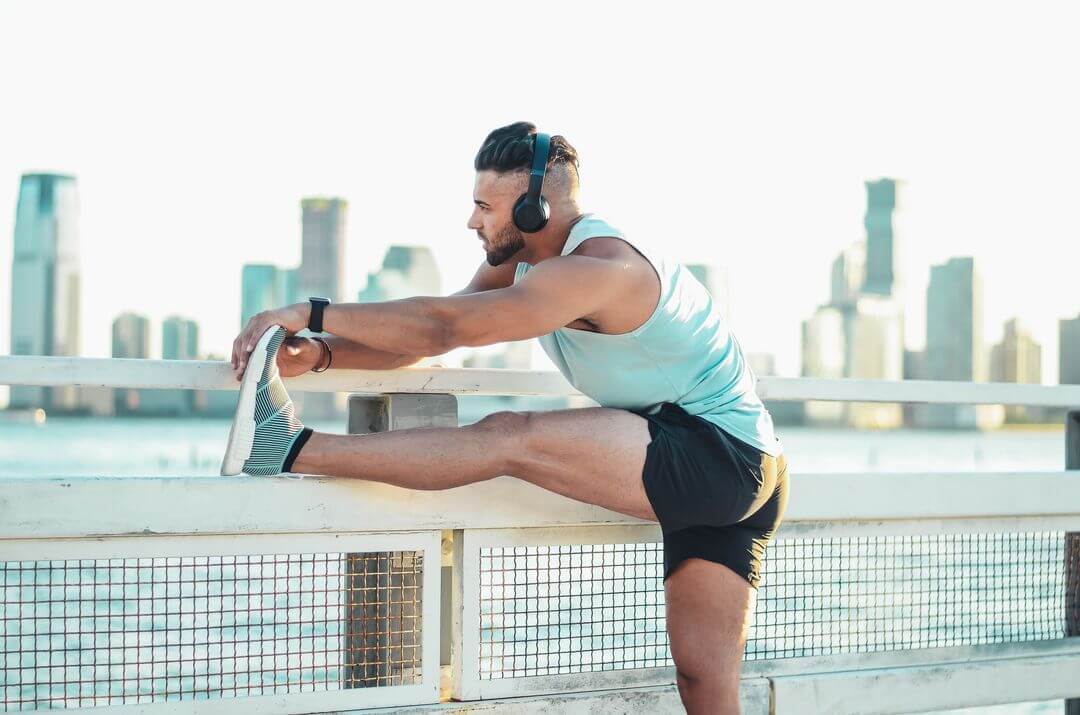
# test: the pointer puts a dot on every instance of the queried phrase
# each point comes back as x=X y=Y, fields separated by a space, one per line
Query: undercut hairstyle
x=510 y=149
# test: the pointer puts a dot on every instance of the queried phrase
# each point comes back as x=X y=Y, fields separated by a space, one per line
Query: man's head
x=502 y=175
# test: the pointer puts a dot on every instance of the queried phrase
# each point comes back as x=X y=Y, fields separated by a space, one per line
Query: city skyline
x=762 y=176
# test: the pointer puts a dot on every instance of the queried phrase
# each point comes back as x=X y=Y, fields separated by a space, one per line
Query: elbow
x=445 y=336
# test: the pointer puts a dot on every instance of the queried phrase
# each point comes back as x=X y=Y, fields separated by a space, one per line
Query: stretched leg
x=709 y=608
x=594 y=455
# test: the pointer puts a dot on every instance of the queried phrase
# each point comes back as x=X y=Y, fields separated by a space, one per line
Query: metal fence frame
x=60 y=519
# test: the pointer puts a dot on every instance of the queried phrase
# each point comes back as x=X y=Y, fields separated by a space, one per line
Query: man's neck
x=552 y=240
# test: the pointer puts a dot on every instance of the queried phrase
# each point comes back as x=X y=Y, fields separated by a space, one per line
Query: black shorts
x=717 y=497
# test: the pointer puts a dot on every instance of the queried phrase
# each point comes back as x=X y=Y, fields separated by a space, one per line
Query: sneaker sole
x=242 y=432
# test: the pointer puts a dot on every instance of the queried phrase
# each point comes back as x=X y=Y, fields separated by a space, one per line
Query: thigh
x=593 y=454
x=709 y=608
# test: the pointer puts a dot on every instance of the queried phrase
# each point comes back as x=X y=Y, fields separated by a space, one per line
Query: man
x=681 y=436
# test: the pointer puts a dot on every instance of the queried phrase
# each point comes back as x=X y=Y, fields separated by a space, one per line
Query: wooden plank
x=942 y=686
x=217 y=375
x=146 y=506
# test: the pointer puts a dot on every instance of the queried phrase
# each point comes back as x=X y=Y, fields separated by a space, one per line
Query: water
x=79 y=447
x=130 y=446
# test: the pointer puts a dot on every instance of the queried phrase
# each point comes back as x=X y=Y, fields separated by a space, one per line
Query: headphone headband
x=541 y=150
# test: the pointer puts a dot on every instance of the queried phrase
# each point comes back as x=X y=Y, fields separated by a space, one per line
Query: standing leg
x=709 y=608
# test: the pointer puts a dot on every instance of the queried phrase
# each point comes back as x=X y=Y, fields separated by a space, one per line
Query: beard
x=507 y=242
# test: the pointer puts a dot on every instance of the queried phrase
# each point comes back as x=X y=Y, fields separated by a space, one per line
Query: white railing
x=930 y=525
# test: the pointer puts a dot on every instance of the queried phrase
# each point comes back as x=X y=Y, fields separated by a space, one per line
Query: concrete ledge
x=657 y=700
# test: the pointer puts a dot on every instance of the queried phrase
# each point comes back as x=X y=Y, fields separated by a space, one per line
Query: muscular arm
x=351 y=354
x=555 y=292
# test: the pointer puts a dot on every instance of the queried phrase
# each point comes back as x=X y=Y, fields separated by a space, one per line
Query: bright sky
x=738 y=134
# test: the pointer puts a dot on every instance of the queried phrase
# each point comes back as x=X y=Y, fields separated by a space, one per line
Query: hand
x=293 y=318
x=299 y=355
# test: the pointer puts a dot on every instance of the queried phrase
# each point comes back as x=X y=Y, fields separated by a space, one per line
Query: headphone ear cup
x=529 y=216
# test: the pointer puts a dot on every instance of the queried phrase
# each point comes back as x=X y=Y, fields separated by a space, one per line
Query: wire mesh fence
x=550 y=610
x=81 y=633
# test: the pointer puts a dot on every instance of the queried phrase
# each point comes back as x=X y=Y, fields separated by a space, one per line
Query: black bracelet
x=328 y=352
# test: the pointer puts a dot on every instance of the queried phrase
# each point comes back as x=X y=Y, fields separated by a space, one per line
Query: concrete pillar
x=379 y=617
x=1072 y=548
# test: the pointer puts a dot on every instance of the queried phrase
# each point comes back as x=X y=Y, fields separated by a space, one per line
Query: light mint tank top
x=684 y=353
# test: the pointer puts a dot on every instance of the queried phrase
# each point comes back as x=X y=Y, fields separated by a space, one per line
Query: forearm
x=413 y=326
x=351 y=355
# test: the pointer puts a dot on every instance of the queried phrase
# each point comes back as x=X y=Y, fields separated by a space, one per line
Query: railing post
x=1072 y=547
x=370 y=585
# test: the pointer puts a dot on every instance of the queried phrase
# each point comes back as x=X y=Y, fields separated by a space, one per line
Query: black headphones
x=531 y=210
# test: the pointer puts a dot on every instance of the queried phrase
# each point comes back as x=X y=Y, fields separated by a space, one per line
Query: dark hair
x=510 y=148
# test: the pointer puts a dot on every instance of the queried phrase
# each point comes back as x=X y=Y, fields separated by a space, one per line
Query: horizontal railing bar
x=35 y=507
x=217 y=375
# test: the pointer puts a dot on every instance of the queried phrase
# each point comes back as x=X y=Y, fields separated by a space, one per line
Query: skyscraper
x=874 y=350
x=824 y=349
x=264 y=287
x=1069 y=351
x=1017 y=358
x=130 y=339
x=322 y=262
x=849 y=274
x=179 y=339
x=45 y=280
x=322 y=272
x=954 y=341
x=881 y=202
x=406 y=271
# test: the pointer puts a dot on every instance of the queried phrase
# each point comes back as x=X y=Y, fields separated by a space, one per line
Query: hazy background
x=736 y=135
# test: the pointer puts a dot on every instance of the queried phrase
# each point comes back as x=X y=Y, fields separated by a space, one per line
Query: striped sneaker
x=265 y=432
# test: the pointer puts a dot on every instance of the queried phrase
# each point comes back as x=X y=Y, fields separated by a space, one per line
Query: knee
x=507 y=433
x=711 y=692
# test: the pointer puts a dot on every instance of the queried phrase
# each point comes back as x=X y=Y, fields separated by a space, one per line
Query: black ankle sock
x=294 y=452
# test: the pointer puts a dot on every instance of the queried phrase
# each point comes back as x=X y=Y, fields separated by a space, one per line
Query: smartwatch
x=318 y=304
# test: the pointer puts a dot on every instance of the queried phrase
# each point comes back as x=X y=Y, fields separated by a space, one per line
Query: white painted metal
x=909 y=658
x=428 y=542
x=215 y=375
x=291 y=704
x=467 y=668
x=32 y=508
x=927 y=391
x=43 y=547
x=656 y=700
x=960 y=684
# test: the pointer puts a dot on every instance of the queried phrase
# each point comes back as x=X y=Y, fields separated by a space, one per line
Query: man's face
x=492 y=216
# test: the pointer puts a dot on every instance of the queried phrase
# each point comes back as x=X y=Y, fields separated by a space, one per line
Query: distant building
x=848 y=274
x=515 y=355
x=322 y=273
x=406 y=271
x=881 y=244
x=179 y=341
x=322 y=262
x=954 y=344
x=45 y=282
x=860 y=340
x=1069 y=351
x=716 y=281
x=914 y=369
x=1018 y=358
x=265 y=287
x=824 y=348
x=130 y=339
x=874 y=350
x=763 y=364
